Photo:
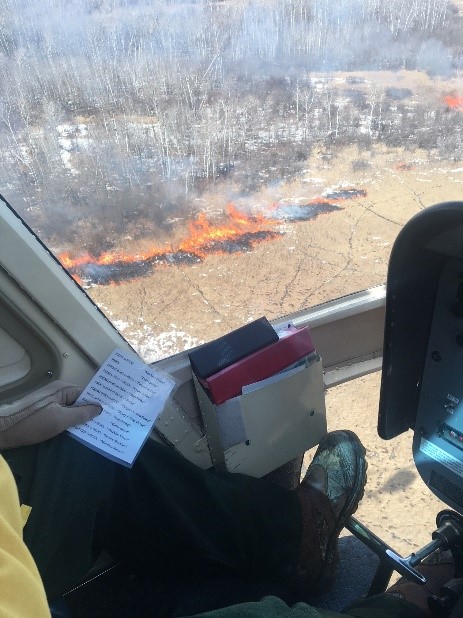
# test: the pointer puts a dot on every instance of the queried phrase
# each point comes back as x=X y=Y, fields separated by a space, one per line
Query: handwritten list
x=131 y=395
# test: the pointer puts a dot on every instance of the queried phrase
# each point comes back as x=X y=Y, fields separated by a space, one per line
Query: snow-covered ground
x=152 y=346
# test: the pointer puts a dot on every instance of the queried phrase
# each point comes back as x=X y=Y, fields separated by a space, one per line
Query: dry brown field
x=311 y=262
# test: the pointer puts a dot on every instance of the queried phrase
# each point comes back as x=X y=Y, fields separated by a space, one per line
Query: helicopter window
x=196 y=165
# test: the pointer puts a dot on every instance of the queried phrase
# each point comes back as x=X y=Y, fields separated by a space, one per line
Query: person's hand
x=43 y=414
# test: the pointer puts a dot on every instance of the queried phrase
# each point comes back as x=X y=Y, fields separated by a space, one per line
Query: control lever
x=449 y=532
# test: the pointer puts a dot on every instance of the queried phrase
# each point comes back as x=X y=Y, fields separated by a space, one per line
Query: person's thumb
x=76 y=415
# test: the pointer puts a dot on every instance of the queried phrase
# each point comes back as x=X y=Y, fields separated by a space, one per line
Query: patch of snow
x=315 y=181
x=152 y=347
x=293 y=200
x=120 y=324
x=65 y=143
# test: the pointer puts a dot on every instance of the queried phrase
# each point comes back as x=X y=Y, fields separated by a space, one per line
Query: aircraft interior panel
x=438 y=443
x=15 y=362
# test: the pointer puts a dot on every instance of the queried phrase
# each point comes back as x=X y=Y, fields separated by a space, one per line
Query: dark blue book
x=232 y=347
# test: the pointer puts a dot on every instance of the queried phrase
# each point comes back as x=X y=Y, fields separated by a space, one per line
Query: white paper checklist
x=132 y=394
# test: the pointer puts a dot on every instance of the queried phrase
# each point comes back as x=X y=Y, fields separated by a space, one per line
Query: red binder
x=291 y=347
x=214 y=356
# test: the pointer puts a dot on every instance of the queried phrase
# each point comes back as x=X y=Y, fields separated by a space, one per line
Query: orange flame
x=202 y=234
x=237 y=232
x=105 y=258
x=454 y=102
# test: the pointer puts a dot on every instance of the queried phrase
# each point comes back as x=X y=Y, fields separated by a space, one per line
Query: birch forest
x=121 y=113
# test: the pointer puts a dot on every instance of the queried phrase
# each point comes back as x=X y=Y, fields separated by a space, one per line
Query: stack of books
x=248 y=355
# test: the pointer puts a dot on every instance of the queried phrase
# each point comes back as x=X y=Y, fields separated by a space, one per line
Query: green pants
x=381 y=606
x=165 y=514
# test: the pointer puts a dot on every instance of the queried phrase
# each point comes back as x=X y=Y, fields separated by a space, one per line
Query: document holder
x=270 y=423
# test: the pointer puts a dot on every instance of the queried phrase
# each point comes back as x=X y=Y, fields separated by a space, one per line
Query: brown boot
x=438 y=568
x=329 y=494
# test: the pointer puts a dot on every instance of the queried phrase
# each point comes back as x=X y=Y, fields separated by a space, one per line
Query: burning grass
x=237 y=233
x=454 y=102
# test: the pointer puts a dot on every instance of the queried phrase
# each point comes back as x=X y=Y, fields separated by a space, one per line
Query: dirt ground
x=313 y=261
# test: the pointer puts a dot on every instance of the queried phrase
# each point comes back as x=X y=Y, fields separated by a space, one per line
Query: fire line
x=237 y=234
x=454 y=102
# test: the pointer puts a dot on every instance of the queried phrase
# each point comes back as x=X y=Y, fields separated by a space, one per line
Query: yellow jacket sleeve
x=21 y=589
